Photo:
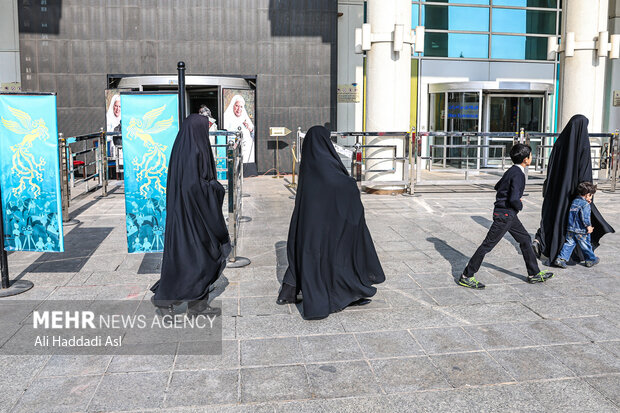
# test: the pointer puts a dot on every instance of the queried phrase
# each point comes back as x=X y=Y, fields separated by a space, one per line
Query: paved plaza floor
x=423 y=344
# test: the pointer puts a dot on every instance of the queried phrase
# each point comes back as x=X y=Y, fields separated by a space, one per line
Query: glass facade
x=482 y=29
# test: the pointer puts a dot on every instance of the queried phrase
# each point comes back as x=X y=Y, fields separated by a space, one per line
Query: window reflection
x=456 y=45
x=518 y=47
x=523 y=21
x=415 y=14
x=526 y=3
x=456 y=18
x=483 y=2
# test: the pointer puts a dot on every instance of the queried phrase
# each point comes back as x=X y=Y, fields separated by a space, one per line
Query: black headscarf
x=331 y=256
x=570 y=163
x=196 y=241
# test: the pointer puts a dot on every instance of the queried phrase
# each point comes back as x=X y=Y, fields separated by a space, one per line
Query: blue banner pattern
x=220 y=157
x=150 y=125
x=30 y=173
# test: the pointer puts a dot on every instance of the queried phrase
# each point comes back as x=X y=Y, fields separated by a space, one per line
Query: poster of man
x=239 y=116
x=113 y=113
x=113 y=126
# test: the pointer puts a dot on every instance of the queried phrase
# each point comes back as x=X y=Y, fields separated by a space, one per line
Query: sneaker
x=560 y=262
x=541 y=277
x=593 y=263
x=470 y=282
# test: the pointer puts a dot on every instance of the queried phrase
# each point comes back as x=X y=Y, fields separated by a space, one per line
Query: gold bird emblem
x=152 y=167
x=24 y=165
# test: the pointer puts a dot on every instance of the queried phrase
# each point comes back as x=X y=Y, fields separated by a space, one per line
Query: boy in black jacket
x=507 y=205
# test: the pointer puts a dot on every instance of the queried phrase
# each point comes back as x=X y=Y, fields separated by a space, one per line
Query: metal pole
x=181 y=83
x=277 y=175
x=104 y=163
x=230 y=159
x=413 y=146
x=615 y=157
x=64 y=176
x=8 y=288
x=294 y=150
x=233 y=169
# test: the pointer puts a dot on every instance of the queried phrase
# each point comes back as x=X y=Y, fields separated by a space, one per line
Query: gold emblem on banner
x=153 y=164
x=24 y=164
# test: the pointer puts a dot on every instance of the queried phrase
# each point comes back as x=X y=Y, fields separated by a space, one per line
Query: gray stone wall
x=70 y=46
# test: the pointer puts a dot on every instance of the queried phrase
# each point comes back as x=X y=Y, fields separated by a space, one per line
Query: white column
x=582 y=76
x=388 y=77
x=9 y=42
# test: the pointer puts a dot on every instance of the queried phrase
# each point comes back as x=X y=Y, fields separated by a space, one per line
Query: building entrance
x=475 y=107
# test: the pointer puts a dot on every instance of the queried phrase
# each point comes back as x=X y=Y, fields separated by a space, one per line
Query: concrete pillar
x=582 y=76
x=388 y=77
x=9 y=43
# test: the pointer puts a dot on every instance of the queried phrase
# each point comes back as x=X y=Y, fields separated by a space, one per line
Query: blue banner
x=219 y=154
x=150 y=125
x=30 y=173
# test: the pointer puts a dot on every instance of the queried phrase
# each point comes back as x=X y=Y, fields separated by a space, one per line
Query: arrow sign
x=278 y=131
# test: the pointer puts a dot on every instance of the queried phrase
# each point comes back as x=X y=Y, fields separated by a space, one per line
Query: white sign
x=278 y=131
x=616 y=97
x=348 y=93
x=343 y=151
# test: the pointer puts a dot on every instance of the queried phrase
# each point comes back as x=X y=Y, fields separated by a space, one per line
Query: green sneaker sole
x=473 y=287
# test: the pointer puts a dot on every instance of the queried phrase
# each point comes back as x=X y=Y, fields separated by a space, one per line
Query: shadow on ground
x=80 y=244
x=458 y=260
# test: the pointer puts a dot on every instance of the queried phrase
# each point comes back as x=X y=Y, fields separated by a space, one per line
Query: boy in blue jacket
x=579 y=227
x=507 y=205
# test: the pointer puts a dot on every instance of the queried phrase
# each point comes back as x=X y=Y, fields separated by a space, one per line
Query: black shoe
x=559 y=262
x=163 y=311
x=282 y=301
x=593 y=263
x=470 y=282
x=541 y=277
x=536 y=248
x=360 y=302
x=163 y=308
x=201 y=307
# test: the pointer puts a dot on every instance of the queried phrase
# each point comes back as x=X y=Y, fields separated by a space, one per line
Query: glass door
x=454 y=112
x=510 y=113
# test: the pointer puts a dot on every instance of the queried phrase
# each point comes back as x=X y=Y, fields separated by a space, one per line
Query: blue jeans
x=572 y=239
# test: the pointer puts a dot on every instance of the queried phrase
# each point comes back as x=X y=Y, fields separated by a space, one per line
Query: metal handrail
x=234 y=163
x=67 y=170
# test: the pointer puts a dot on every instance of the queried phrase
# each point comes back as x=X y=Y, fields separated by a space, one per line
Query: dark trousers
x=504 y=221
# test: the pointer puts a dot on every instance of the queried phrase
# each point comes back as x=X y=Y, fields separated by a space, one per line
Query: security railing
x=82 y=161
x=234 y=177
x=355 y=152
x=475 y=153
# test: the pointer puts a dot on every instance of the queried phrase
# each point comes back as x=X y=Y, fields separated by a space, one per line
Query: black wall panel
x=289 y=46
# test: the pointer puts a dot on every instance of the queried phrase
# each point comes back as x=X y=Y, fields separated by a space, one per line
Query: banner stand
x=17 y=286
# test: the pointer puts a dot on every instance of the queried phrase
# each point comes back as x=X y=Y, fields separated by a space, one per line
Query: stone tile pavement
x=423 y=344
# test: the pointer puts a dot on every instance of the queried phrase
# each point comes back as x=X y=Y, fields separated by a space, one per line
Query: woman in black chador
x=196 y=242
x=331 y=256
x=569 y=164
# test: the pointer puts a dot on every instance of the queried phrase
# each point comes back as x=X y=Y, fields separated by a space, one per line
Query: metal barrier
x=356 y=152
x=116 y=152
x=614 y=159
x=465 y=156
x=69 y=164
x=234 y=166
x=472 y=155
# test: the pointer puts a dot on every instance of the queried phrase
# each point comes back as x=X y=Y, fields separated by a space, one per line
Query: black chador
x=569 y=164
x=331 y=256
x=196 y=242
